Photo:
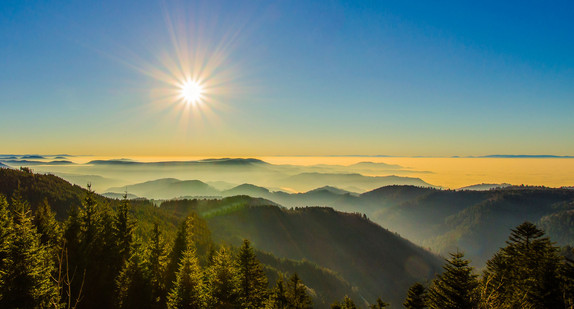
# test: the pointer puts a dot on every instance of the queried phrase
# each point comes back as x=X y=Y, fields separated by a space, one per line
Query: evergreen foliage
x=292 y=294
x=134 y=288
x=297 y=294
x=223 y=280
x=123 y=229
x=456 y=287
x=6 y=239
x=379 y=304
x=252 y=279
x=26 y=269
x=416 y=297
x=525 y=273
x=96 y=260
x=156 y=265
x=278 y=296
x=188 y=290
x=347 y=303
x=48 y=227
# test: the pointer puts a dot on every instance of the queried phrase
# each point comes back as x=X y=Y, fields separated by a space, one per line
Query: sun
x=191 y=92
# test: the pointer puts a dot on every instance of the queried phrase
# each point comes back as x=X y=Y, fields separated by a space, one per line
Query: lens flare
x=191 y=92
x=193 y=79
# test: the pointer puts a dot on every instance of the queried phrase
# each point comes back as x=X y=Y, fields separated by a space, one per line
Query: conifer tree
x=179 y=247
x=252 y=279
x=347 y=303
x=89 y=217
x=416 y=297
x=297 y=294
x=6 y=239
x=379 y=304
x=133 y=284
x=97 y=257
x=278 y=296
x=48 y=228
x=223 y=280
x=26 y=278
x=123 y=229
x=456 y=287
x=525 y=273
x=188 y=290
x=155 y=265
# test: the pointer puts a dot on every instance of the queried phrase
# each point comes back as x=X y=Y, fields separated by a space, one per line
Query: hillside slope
x=375 y=260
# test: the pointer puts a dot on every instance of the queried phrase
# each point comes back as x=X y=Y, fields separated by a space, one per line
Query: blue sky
x=307 y=77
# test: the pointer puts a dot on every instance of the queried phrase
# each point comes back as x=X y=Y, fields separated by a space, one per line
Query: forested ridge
x=82 y=250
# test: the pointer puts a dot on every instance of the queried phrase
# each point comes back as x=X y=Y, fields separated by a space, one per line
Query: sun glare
x=191 y=92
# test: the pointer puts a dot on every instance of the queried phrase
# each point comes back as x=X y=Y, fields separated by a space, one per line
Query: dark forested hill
x=474 y=221
x=375 y=260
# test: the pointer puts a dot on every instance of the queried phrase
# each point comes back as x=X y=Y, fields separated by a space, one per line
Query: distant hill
x=331 y=189
x=37 y=157
x=474 y=221
x=485 y=186
x=168 y=188
x=3 y=165
x=375 y=165
x=120 y=196
x=341 y=180
x=32 y=162
x=247 y=189
x=98 y=183
x=206 y=162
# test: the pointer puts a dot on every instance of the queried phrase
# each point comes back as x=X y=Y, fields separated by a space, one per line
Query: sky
x=399 y=78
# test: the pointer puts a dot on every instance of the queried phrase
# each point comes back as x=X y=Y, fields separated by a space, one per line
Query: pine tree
x=416 y=297
x=6 y=239
x=297 y=294
x=278 y=296
x=27 y=281
x=252 y=279
x=133 y=284
x=155 y=265
x=223 y=280
x=188 y=290
x=97 y=255
x=347 y=303
x=89 y=217
x=456 y=287
x=48 y=228
x=123 y=229
x=525 y=273
x=183 y=240
x=379 y=304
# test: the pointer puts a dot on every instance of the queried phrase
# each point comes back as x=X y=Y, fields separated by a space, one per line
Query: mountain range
x=336 y=253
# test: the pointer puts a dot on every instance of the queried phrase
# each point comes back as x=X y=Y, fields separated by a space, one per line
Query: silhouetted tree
x=379 y=304
x=347 y=303
x=223 y=280
x=156 y=264
x=252 y=279
x=188 y=290
x=456 y=287
x=297 y=295
x=6 y=239
x=525 y=273
x=133 y=284
x=123 y=229
x=416 y=297
x=26 y=274
x=278 y=296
